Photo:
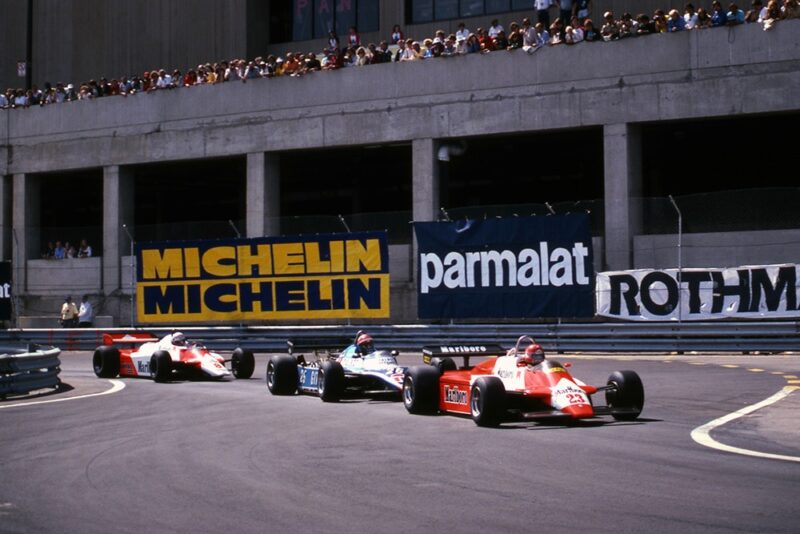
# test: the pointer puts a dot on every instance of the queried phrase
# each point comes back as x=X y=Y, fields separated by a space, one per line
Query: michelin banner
x=316 y=277
x=768 y=291
x=521 y=267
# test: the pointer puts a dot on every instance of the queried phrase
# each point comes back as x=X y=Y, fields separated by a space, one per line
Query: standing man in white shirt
x=85 y=314
x=462 y=33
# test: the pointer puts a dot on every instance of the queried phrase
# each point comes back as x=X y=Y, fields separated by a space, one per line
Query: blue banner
x=5 y=290
x=521 y=267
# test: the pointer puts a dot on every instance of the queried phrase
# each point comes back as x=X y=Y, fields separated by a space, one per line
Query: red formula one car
x=516 y=384
x=173 y=356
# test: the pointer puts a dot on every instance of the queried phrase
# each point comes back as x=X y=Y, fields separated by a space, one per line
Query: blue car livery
x=353 y=371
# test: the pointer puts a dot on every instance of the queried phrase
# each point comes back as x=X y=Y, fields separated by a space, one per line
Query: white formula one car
x=172 y=356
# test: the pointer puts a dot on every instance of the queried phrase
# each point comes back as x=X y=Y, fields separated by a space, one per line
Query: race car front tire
x=243 y=363
x=626 y=395
x=160 y=366
x=421 y=389
x=487 y=401
x=106 y=361
x=282 y=375
x=330 y=381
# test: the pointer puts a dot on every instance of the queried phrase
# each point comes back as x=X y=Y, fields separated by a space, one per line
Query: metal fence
x=723 y=211
x=774 y=208
x=23 y=370
x=722 y=336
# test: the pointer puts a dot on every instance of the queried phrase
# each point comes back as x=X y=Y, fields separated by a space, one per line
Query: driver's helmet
x=533 y=355
x=364 y=344
x=178 y=339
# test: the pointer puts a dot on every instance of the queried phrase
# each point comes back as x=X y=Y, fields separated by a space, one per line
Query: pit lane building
x=610 y=127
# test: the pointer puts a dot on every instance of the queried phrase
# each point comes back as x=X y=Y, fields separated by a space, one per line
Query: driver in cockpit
x=532 y=355
x=178 y=339
x=364 y=344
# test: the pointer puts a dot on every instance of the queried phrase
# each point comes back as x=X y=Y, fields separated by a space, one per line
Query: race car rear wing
x=317 y=345
x=465 y=351
x=131 y=338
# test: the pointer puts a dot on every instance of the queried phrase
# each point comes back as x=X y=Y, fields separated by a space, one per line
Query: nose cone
x=579 y=411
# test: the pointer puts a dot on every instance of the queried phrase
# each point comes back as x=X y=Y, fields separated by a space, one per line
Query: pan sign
x=769 y=291
x=317 y=277
x=521 y=267
x=5 y=290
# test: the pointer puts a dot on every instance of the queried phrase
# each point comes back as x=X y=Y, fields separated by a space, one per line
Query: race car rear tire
x=243 y=363
x=161 y=366
x=282 y=375
x=444 y=364
x=421 y=389
x=330 y=381
x=106 y=361
x=626 y=394
x=487 y=401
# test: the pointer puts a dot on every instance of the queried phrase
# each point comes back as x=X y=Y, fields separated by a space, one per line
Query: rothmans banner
x=506 y=268
x=768 y=291
x=315 y=277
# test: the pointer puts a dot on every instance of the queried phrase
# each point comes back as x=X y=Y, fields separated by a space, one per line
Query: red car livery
x=173 y=356
x=510 y=385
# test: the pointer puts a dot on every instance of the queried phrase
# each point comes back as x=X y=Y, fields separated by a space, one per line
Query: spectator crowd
x=572 y=26
x=59 y=251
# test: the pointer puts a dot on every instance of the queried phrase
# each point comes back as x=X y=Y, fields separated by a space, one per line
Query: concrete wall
x=77 y=40
x=73 y=276
x=660 y=77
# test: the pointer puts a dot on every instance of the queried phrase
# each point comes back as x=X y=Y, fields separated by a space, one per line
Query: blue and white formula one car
x=359 y=369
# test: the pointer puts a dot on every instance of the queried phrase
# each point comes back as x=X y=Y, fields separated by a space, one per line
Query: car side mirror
x=395 y=353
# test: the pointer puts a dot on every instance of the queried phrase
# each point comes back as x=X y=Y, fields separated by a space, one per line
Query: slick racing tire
x=161 y=366
x=330 y=381
x=282 y=375
x=444 y=364
x=106 y=362
x=243 y=363
x=626 y=396
x=421 y=389
x=487 y=401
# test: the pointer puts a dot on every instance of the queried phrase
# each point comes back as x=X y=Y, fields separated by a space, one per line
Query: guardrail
x=23 y=370
x=729 y=336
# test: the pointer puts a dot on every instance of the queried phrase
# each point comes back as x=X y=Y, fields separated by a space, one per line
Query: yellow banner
x=320 y=277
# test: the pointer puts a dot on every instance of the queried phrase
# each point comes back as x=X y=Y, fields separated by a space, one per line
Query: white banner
x=766 y=291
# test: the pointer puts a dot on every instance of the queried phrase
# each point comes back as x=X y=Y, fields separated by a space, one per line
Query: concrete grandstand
x=613 y=128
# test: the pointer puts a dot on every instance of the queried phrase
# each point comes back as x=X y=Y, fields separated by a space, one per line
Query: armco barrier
x=26 y=369
x=729 y=336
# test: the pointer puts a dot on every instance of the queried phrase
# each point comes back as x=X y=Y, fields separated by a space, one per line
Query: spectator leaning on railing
x=573 y=26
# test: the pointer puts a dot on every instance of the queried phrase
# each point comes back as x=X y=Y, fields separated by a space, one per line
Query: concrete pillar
x=118 y=191
x=263 y=194
x=425 y=188
x=25 y=223
x=425 y=180
x=622 y=147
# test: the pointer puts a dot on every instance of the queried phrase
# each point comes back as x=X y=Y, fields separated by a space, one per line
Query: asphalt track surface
x=230 y=457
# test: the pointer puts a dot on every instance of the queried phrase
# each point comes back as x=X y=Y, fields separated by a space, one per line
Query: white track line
x=117 y=385
x=702 y=434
